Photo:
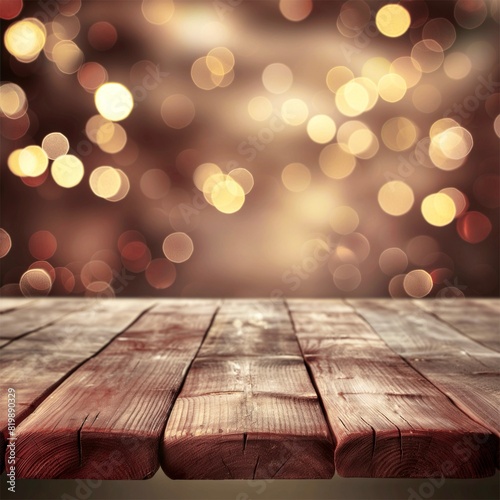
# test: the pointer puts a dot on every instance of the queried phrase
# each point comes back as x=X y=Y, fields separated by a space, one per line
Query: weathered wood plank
x=40 y=313
x=105 y=421
x=475 y=318
x=318 y=306
x=8 y=304
x=35 y=364
x=388 y=420
x=464 y=370
x=248 y=408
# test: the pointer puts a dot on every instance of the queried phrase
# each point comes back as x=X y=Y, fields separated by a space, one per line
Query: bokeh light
x=42 y=245
x=294 y=112
x=135 y=256
x=396 y=198
x=102 y=35
x=457 y=65
x=393 y=261
x=91 y=76
x=55 y=144
x=277 y=78
x=67 y=171
x=321 y=129
x=336 y=162
x=158 y=11
x=474 y=227
x=155 y=183
x=178 y=247
x=35 y=283
x=418 y=283
x=177 y=111
x=160 y=273
x=347 y=277
x=295 y=10
x=344 y=220
x=296 y=177
x=235 y=126
x=13 y=102
x=9 y=9
x=260 y=108
x=114 y=101
x=33 y=161
x=393 y=20
x=399 y=134
x=5 y=243
x=25 y=39
x=67 y=56
x=438 y=209
x=109 y=183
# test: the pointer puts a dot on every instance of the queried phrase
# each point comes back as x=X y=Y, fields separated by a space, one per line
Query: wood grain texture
x=8 y=304
x=475 y=318
x=105 y=421
x=388 y=420
x=41 y=312
x=35 y=364
x=248 y=409
x=466 y=371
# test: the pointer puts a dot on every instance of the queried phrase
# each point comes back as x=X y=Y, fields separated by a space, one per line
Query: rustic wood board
x=388 y=420
x=248 y=409
x=387 y=373
x=105 y=421
x=42 y=312
x=476 y=319
x=35 y=364
x=463 y=369
x=8 y=304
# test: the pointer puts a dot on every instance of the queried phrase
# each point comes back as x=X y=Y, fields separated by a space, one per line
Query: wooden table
x=236 y=389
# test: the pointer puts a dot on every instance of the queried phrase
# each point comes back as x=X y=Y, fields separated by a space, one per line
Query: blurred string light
x=359 y=114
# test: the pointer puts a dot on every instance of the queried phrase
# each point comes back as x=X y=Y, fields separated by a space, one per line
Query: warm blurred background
x=250 y=148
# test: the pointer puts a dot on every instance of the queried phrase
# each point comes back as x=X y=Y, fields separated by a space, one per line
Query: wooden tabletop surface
x=249 y=388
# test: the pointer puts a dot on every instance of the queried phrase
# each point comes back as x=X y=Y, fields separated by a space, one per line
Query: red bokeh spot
x=42 y=245
x=473 y=227
x=9 y=9
x=160 y=273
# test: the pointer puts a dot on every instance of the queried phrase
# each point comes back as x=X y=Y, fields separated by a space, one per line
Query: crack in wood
x=374 y=437
x=255 y=468
x=281 y=466
x=79 y=441
x=227 y=468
